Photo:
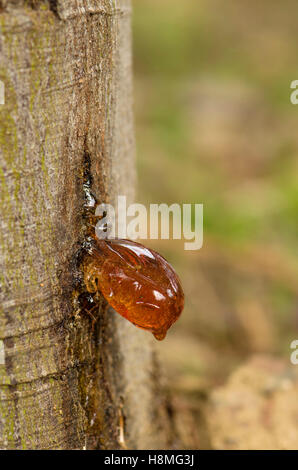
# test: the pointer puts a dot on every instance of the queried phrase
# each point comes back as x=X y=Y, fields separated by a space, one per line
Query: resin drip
x=137 y=282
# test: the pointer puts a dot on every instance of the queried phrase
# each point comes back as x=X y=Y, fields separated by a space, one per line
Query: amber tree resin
x=137 y=282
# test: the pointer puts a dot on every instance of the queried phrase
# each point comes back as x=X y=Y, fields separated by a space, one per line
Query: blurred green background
x=215 y=125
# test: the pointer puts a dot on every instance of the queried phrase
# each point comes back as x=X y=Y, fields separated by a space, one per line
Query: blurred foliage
x=215 y=126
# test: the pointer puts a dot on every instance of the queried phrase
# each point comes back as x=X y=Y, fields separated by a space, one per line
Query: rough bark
x=66 y=67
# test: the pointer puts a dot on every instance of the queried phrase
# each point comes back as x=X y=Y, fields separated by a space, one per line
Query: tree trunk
x=66 y=122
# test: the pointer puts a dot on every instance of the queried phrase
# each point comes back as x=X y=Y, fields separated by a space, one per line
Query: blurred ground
x=215 y=126
x=257 y=408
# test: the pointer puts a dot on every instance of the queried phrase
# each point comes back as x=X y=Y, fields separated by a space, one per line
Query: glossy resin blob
x=137 y=282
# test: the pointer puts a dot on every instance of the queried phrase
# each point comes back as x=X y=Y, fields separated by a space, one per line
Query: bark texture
x=66 y=67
